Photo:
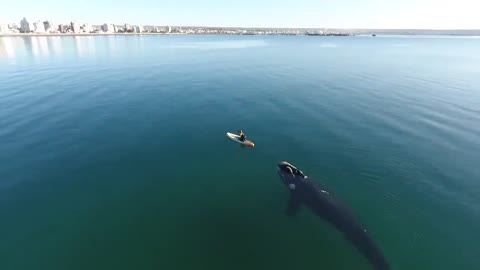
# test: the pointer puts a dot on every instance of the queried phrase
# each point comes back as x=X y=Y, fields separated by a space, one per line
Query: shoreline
x=151 y=34
x=224 y=34
x=80 y=34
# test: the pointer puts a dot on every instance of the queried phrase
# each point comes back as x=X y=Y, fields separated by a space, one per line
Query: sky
x=381 y=14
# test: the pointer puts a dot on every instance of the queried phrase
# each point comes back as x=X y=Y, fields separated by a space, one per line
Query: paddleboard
x=236 y=138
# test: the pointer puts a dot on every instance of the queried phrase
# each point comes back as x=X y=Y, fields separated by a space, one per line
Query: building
x=39 y=27
x=138 y=29
x=75 y=27
x=87 y=28
x=13 y=28
x=128 y=28
x=96 y=28
x=108 y=28
x=31 y=26
x=62 y=28
x=24 y=26
x=49 y=27
x=148 y=28
x=4 y=28
x=164 y=29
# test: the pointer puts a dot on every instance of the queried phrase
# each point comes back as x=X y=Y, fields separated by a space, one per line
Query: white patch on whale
x=291 y=186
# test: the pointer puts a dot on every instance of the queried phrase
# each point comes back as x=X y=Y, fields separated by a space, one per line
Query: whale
x=314 y=196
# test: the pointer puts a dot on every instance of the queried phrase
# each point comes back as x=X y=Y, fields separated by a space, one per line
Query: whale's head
x=289 y=174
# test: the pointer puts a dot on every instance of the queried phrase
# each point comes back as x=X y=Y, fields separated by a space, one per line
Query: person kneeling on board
x=242 y=135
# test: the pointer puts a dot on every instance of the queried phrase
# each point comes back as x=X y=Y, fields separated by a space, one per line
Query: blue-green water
x=113 y=152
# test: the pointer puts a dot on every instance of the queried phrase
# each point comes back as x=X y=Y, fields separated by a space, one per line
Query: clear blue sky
x=433 y=14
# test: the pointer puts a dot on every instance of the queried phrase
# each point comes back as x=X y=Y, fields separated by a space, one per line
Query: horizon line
x=335 y=28
x=278 y=27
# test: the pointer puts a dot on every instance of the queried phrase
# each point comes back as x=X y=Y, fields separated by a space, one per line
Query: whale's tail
x=362 y=241
x=346 y=222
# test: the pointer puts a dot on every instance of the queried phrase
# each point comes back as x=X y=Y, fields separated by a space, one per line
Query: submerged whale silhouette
x=303 y=191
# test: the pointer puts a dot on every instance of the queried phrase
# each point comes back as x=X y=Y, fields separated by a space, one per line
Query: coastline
x=81 y=34
x=356 y=33
x=153 y=34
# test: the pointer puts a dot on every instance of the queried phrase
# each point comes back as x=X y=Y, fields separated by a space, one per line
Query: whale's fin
x=293 y=205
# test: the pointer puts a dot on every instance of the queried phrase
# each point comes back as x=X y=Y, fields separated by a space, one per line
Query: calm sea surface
x=113 y=152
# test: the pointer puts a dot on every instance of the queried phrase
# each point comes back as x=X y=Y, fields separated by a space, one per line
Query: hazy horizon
x=342 y=14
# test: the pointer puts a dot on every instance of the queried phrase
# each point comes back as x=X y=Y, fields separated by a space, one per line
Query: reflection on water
x=7 y=47
x=36 y=46
x=41 y=46
x=33 y=45
x=78 y=46
x=27 y=42
x=84 y=46
x=90 y=44
x=55 y=45
x=111 y=43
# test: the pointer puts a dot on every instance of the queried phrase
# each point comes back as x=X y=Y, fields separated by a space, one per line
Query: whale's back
x=326 y=205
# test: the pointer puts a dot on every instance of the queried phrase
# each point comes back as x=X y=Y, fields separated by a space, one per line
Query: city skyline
x=347 y=14
x=74 y=28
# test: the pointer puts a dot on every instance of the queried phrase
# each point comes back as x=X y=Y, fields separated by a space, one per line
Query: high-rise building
x=108 y=28
x=4 y=28
x=39 y=27
x=75 y=27
x=62 y=28
x=138 y=29
x=13 y=28
x=31 y=26
x=128 y=28
x=24 y=26
x=87 y=28
x=49 y=26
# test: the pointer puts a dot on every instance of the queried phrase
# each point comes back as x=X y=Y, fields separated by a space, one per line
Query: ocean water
x=113 y=152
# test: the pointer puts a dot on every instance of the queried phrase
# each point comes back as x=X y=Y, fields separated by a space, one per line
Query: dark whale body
x=314 y=196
